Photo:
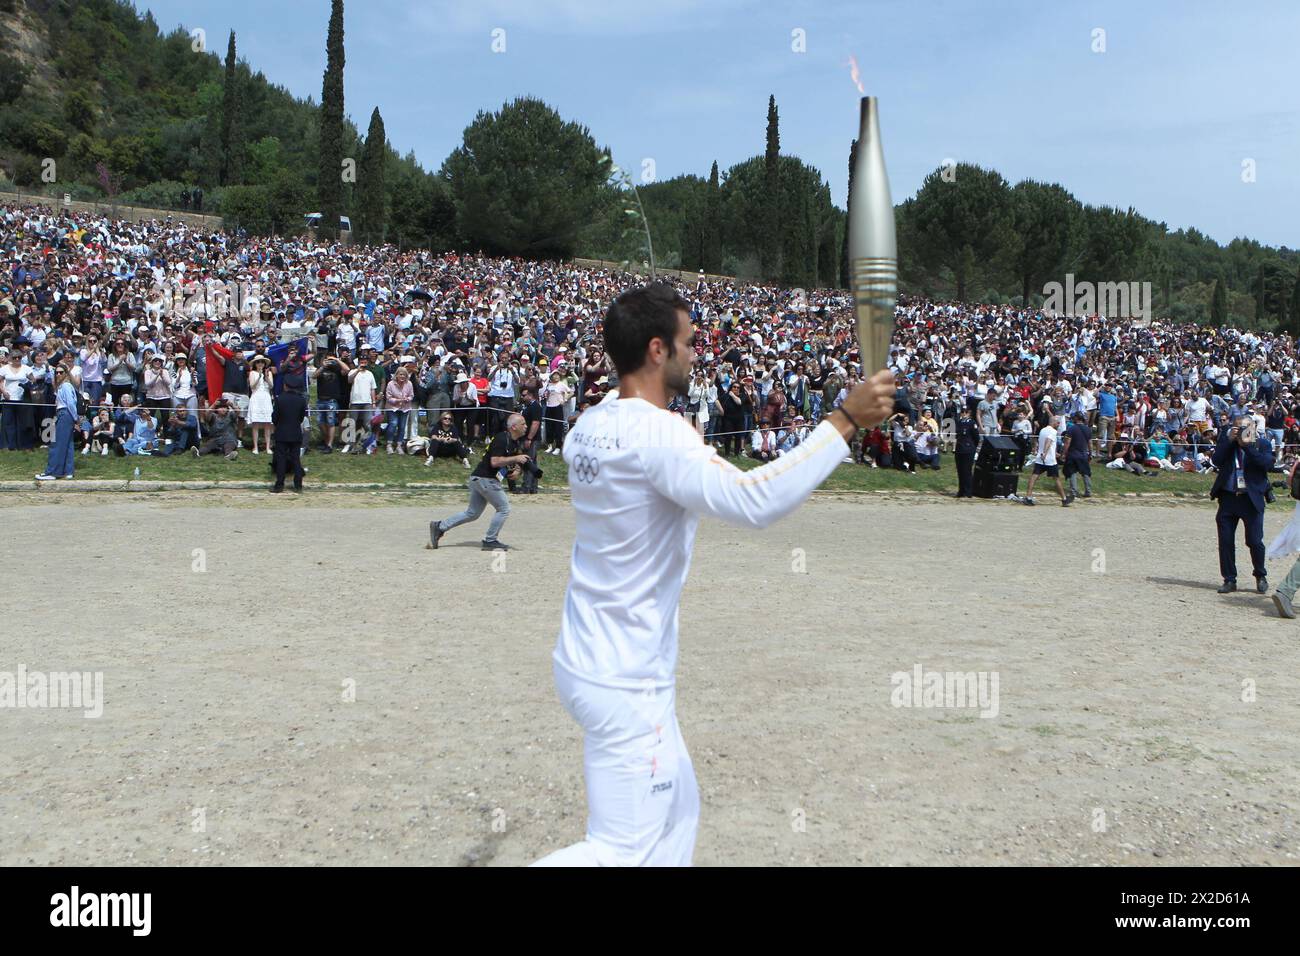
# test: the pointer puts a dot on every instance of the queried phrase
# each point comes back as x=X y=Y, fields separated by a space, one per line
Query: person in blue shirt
x=144 y=437
x=1107 y=405
x=61 y=459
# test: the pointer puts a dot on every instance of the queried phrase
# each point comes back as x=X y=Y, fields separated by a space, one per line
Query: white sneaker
x=370 y=451
x=390 y=449
x=103 y=451
x=428 y=461
x=465 y=462
x=86 y=450
x=346 y=449
x=256 y=452
x=44 y=477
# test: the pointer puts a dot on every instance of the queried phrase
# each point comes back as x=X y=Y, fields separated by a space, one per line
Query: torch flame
x=856 y=74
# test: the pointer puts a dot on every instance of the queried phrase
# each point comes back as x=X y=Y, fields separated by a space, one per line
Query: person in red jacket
x=478 y=421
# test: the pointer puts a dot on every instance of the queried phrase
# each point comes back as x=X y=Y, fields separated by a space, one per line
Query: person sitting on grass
x=445 y=441
x=1158 y=449
x=101 y=431
x=904 y=442
x=220 y=430
x=876 y=449
x=124 y=423
x=1127 y=459
x=182 y=430
x=144 y=434
x=927 y=446
x=762 y=444
x=795 y=433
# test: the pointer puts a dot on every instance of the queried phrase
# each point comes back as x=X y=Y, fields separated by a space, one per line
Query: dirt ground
x=1141 y=717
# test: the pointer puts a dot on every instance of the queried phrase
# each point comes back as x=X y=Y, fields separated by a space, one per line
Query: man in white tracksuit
x=640 y=478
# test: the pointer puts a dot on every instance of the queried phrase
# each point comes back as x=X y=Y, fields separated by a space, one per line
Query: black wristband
x=849 y=417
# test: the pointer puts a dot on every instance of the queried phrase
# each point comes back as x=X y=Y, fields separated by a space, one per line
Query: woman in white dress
x=260 y=405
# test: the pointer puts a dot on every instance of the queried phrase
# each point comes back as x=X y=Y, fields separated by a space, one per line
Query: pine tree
x=232 y=137
x=844 y=246
x=770 y=246
x=1219 y=304
x=329 y=182
x=371 y=194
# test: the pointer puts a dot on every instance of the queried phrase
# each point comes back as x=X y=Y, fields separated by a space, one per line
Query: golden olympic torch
x=873 y=251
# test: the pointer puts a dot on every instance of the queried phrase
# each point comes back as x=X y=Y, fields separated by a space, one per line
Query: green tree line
x=119 y=104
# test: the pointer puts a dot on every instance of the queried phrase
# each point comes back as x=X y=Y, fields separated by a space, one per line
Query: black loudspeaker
x=995 y=484
x=999 y=454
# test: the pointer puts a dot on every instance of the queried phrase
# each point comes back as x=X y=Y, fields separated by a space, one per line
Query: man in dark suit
x=1241 y=486
x=290 y=408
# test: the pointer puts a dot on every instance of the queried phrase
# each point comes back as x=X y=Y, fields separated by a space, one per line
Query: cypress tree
x=232 y=144
x=329 y=182
x=844 y=246
x=770 y=247
x=828 y=252
x=1219 y=304
x=371 y=212
x=712 y=263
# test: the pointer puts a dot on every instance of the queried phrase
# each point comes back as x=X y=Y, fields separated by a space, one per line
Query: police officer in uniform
x=968 y=438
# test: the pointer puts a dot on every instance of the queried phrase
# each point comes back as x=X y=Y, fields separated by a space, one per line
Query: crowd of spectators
x=179 y=340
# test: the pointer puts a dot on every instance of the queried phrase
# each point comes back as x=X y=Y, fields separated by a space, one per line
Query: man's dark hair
x=637 y=316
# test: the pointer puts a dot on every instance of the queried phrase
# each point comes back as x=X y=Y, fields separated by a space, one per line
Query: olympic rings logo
x=586 y=468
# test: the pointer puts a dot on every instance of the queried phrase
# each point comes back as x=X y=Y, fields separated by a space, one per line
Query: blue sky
x=1162 y=120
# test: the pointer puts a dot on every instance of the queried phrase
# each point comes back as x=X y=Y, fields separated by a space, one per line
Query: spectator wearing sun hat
x=464 y=403
x=554 y=396
x=158 y=387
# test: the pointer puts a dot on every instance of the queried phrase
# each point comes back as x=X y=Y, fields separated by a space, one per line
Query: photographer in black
x=331 y=396
x=533 y=415
x=503 y=455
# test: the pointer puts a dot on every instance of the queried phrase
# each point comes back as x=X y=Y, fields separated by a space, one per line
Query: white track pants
x=643 y=807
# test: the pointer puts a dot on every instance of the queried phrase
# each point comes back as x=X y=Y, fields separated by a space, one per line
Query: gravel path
x=230 y=630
